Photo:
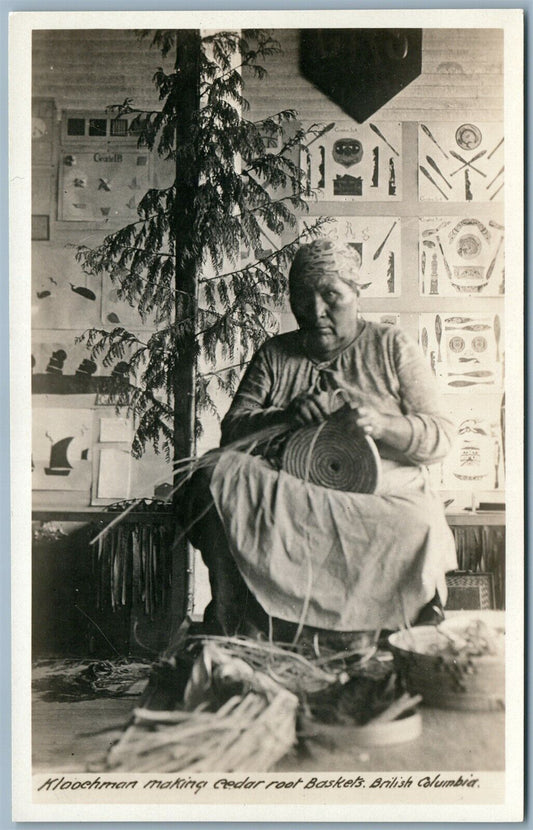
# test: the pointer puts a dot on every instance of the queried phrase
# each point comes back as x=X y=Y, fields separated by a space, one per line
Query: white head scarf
x=326 y=256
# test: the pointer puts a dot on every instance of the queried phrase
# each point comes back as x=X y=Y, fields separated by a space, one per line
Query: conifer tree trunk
x=187 y=101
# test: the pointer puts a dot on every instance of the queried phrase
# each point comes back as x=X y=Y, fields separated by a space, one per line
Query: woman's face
x=325 y=308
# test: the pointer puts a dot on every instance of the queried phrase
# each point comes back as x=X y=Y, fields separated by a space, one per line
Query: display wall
x=418 y=187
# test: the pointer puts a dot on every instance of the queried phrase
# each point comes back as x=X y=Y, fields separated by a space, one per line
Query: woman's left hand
x=371 y=421
x=393 y=430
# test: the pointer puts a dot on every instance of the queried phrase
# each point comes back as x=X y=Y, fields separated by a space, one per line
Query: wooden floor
x=72 y=736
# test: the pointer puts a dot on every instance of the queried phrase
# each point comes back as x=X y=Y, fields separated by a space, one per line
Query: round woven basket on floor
x=335 y=454
x=446 y=680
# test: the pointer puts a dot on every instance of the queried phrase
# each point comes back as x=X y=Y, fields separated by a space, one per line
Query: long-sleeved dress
x=339 y=561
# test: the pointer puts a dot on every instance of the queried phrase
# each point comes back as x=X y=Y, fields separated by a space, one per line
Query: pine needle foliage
x=249 y=190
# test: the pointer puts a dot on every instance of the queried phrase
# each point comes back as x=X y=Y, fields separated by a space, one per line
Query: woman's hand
x=308 y=408
x=371 y=420
x=394 y=430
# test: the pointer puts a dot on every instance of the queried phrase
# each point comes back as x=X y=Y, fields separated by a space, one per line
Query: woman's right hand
x=308 y=408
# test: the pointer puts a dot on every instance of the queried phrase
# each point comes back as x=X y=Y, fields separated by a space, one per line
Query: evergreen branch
x=247 y=63
x=225 y=369
x=290 y=115
x=89 y=336
x=126 y=109
x=269 y=203
x=145 y=250
x=258 y=262
x=222 y=319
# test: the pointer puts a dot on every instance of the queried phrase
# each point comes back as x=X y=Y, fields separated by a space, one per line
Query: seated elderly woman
x=283 y=552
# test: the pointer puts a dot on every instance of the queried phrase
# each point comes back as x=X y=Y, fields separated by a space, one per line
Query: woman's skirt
x=330 y=559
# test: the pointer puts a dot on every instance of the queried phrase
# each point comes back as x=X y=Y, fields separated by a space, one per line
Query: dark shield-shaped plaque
x=361 y=69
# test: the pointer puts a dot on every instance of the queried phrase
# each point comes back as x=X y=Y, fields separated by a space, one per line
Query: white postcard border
x=20 y=89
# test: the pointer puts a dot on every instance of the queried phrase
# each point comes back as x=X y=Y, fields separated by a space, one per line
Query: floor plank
x=70 y=736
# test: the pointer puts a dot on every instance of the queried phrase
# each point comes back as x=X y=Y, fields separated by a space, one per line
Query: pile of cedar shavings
x=335 y=687
x=233 y=703
x=66 y=680
x=338 y=687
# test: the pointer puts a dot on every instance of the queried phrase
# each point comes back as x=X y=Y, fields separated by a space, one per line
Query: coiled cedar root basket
x=335 y=454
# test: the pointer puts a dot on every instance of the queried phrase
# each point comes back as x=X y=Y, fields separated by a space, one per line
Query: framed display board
x=99 y=185
x=102 y=173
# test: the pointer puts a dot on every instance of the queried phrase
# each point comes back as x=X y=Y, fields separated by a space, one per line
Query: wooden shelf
x=92 y=514
x=95 y=514
x=478 y=517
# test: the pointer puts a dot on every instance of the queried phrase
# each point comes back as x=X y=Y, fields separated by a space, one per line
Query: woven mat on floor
x=74 y=679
